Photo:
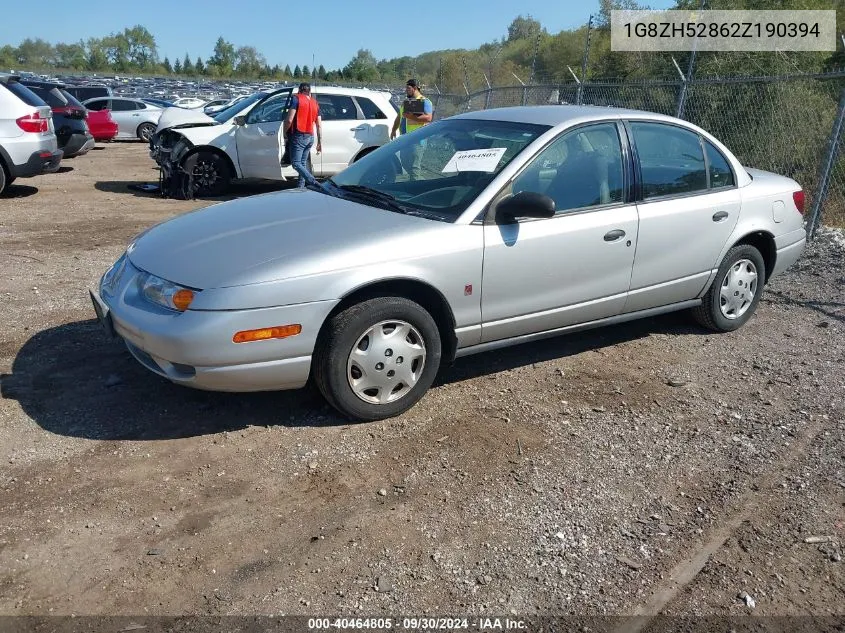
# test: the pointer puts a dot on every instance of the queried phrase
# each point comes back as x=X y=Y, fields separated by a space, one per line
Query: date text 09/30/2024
x=418 y=624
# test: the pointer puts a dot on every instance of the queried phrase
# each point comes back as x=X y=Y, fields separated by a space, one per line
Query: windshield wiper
x=375 y=194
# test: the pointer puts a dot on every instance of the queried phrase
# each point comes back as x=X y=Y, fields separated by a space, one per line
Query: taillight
x=33 y=123
x=798 y=199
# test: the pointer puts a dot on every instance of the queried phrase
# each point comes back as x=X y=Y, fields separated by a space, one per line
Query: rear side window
x=336 y=107
x=98 y=104
x=671 y=160
x=122 y=105
x=71 y=100
x=370 y=109
x=720 y=171
x=24 y=94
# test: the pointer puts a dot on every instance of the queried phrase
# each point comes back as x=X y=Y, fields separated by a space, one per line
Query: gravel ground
x=645 y=468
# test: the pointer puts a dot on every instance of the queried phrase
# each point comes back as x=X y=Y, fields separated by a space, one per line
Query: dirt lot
x=640 y=469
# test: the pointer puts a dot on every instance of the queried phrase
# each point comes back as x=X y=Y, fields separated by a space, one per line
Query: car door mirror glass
x=239 y=120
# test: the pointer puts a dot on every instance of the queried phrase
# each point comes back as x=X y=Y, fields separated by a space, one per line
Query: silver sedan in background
x=135 y=118
x=472 y=233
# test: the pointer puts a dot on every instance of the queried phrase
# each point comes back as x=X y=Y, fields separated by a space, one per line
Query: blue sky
x=332 y=32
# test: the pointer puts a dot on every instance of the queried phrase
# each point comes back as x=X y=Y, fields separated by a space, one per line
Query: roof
x=7 y=77
x=554 y=115
x=38 y=83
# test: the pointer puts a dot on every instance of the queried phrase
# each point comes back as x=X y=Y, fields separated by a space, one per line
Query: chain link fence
x=790 y=125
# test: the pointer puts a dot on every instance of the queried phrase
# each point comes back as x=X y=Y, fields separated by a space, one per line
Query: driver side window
x=582 y=168
x=271 y=110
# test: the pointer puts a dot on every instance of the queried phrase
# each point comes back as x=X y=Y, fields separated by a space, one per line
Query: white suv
x=28 y=144
x=355 y=121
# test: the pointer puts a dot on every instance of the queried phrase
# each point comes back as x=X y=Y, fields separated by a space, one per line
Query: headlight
x=166 y=294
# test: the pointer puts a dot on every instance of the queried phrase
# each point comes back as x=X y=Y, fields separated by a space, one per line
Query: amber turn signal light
x=182 y=299
x=265 y=333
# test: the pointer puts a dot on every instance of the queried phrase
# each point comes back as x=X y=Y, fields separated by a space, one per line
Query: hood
x=277 y=236
x=178 y=117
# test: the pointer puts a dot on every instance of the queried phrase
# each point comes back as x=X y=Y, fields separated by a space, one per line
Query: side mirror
x=239 y=120
x=526 y=204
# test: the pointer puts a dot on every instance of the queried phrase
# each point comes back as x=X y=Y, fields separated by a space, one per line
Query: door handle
x=360 y=128
x=614 y=235
x=720 y=216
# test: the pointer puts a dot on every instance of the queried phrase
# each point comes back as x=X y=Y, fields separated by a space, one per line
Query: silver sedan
x=134 y=118
x=472 y=233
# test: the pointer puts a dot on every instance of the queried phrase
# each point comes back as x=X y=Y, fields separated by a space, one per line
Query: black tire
x=5 y=181
x=145 y=131
x=711 y=314
x=343 y=333
x=212 y=175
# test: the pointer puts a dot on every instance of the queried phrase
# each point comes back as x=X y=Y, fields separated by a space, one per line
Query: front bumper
x=195 y=348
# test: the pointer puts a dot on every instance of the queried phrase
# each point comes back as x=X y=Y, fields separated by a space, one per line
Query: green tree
x=187 y=66
x=35 y=53
x=8 y=57
x=321 y=72
x=167 y=67
x=177 y=67
x=288 y=72
x=70 y=56
x=524 y=27
x=140 y=47
x=249 y=61
x=223 y=59
x=362 y=67
x=95 y=54
x=199 y=67
x=306 y=72
x=297 y=72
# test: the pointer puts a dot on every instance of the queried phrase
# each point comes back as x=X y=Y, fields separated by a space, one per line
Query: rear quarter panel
x=768 y=207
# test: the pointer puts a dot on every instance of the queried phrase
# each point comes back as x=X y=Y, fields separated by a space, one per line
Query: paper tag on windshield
x=475 y=160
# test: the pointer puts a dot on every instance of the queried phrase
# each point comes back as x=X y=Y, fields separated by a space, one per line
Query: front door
x=576 y=266
x=258 y=139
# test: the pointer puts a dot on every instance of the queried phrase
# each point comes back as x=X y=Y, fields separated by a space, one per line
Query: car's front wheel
x=146 y=131
x=735 y=292
x=377 y=358
x=212 y=174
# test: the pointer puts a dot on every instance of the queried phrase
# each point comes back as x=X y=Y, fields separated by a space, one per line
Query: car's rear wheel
x=735 y=292
x=5 y=181
x=146 y=131
x=377 y=358
x=212 y=174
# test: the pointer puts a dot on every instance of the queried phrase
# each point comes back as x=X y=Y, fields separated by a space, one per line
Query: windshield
x=440 y=169
x=240 y=106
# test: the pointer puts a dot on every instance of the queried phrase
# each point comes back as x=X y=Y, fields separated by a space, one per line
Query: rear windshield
x=51 y=96
x=24 y=94
x=71 y=100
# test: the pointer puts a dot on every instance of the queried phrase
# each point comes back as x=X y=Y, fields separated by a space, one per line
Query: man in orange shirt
x=303 y=117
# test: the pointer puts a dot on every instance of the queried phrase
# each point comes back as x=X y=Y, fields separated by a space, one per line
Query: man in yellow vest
x=415 y=112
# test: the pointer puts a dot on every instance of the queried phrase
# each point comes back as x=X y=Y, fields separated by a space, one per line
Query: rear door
x=345 y=133
x=258 y=139
x=688 y=206
x=127 y=116
x=377 y=121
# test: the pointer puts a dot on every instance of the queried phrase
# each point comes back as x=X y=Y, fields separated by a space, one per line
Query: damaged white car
x=355 y=122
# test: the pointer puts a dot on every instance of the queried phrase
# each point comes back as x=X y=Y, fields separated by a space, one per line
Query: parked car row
x=41 y=123
x=243 y=141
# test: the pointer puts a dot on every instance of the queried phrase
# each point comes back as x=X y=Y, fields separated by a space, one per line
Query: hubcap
x=386 y=362
x=205 y=175
x=739 y=288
